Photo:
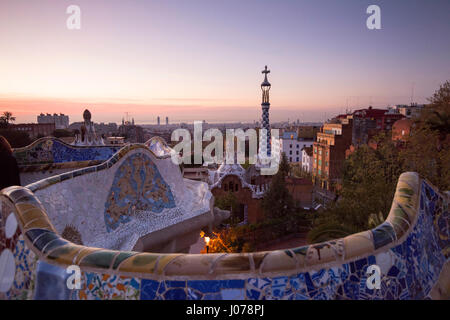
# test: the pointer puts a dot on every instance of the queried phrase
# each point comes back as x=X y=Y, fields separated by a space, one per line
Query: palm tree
x=6 y=118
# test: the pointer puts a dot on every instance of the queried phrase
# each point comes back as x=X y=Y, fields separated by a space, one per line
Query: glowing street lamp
x=207 y=239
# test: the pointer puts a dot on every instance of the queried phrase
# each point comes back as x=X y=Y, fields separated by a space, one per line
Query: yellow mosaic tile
x=65 y=255
x=232 y=263
x=140 y=263
x=193 y=264
x=29 y=215
x=325 y=252
x=39 y=223
x=83 y=253
x=278 y=260
x=164 y=260
x=358 y=244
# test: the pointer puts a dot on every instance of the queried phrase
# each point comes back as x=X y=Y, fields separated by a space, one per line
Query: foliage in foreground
x=370 y=176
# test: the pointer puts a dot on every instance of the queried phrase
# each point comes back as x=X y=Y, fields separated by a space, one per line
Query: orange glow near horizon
x=164 y=58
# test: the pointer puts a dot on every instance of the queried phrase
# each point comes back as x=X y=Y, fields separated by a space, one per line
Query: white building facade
x=292 y=146
x=61 y=120
x=307 y=159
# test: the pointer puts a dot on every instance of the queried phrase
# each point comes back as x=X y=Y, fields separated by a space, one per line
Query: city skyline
x=202 y=60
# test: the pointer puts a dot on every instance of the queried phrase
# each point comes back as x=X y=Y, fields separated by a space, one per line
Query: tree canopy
x=370 y=175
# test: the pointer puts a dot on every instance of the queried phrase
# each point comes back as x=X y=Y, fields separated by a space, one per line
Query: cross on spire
x=265 y=71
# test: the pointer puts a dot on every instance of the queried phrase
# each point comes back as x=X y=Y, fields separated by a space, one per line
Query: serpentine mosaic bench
x=411 y=248
x=50 y=156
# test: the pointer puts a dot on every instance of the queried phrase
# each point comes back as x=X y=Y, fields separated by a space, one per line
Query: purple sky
x=195 y=60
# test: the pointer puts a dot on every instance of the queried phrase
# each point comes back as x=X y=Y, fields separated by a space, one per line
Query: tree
x=284 y=165
x=6 y=118
x=428 y=147
x=228 y=202
x=277 y=201
x=368 y=186
x=436 y=115
x=16 y=139
x=370 y=176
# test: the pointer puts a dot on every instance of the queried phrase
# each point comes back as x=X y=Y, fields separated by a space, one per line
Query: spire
x=265 y=87
x=265 y=147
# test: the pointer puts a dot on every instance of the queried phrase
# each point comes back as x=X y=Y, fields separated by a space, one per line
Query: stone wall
x=410 y=247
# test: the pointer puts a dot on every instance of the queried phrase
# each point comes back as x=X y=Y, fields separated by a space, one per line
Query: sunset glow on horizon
x=202 y=60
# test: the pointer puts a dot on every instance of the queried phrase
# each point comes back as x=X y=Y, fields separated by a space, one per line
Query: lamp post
x=207 y=239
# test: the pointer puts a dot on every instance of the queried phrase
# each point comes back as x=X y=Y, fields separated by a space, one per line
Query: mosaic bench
x=411 y=248
x=49 y=156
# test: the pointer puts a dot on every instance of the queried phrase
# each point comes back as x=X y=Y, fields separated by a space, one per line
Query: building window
x=320 y=162
x=326 y=163
x=225 y=187
x=315 y=150
x=236 y=187
x=290 y=159
x=298 y=146
x=231 y=186
x=297 y=159
x=290 y=152
x=297 y=151
x=290 y=146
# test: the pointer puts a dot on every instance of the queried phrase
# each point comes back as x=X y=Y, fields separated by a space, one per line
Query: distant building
x=167 y=121
x=158 y=121
x=307 y=159
x=329 y=152
x=61 y=120
x=248 y=186
x=369 y=122
x=401 y=130
x=132 y=133
x=304 y=131
x=115 y=141
x=104 y=129
x=292 y=146
x=301 y=190
x=34 y=129
x=410 y=111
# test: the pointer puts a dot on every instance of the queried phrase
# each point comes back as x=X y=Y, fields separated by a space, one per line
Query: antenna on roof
x=412 y=92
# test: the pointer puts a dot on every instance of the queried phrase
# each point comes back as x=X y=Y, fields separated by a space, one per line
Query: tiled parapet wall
x=410 y=248
x=49 y=156
x=136 y=199
x=49 y=150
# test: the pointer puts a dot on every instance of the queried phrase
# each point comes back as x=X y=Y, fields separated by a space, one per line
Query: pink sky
x=203 y=60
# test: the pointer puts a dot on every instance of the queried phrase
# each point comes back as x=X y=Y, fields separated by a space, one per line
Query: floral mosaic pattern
x=107 y=287
x=17 y=261
x=137 y=187
x=24 y=278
